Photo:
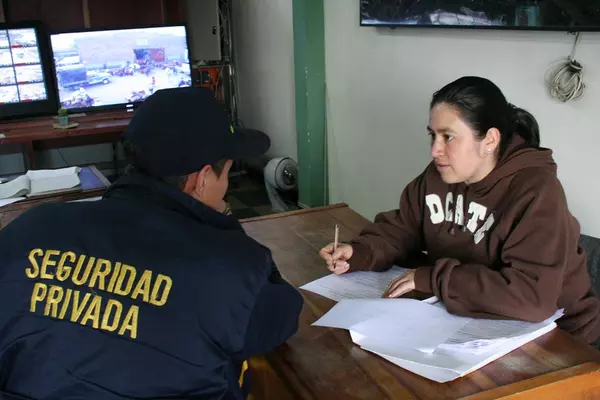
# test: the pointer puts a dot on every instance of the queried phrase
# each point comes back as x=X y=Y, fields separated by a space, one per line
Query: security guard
x=152 y=292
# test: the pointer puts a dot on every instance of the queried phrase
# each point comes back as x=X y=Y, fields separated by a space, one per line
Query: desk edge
x=529 y=386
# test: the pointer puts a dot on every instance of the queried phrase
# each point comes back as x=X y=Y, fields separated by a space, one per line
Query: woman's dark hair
x=177 y=181
x=482 y=106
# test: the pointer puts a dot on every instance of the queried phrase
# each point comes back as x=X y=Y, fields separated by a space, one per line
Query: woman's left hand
x=402 y=285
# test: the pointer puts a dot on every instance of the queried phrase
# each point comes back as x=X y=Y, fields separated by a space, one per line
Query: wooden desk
x=12 y=211
x=30 y=135
x=323 y=363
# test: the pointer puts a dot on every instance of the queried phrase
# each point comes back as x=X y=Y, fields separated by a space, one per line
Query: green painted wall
x=309 y=62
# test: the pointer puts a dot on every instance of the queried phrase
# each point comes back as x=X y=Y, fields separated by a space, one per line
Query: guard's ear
x=196 y=182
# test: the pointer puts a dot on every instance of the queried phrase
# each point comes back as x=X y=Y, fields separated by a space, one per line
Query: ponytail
x=526 y=126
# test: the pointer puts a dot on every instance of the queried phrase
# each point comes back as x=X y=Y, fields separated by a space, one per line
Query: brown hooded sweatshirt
x=504 y=247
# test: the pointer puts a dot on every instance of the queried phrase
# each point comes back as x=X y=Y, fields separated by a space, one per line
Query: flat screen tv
x=119 y=67
x=564 y=15
x=26 y=80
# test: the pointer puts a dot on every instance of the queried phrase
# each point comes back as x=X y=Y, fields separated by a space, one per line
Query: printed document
x=355 y=285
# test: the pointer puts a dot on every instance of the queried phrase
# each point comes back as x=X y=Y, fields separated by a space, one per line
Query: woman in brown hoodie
x=492 y=216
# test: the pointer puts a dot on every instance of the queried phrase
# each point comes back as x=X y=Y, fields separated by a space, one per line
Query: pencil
x=336 y=237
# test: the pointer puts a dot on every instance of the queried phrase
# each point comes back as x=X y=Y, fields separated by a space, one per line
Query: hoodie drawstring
x=464 y=205
x=452 y=230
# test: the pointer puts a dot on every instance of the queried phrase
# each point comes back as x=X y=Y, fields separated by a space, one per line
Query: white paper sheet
x=348 y=313
x=443 y=366
x=53 y=184
x=5 y=202
x=52 y=173
x=416 y=325
x=355 y=285
x=86 y=200
x=394 y=323
x=482 y=335
x=15 y=188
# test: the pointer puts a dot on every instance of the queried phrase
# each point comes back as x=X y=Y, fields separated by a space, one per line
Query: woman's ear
x=491 y=140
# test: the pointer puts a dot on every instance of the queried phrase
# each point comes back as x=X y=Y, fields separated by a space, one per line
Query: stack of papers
x=420 y=336
x=479 y=336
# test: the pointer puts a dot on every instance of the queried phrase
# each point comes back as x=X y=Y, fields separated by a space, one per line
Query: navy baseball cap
x=178 y=131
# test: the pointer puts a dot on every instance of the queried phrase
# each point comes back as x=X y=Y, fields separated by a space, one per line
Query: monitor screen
x=515 y=14
x=116 y=67
x=21 y=72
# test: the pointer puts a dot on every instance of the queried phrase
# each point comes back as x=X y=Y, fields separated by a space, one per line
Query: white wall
x=264 y=51
x=380 y=82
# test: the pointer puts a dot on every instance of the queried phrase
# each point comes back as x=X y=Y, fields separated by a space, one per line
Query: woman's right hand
x=337 y=261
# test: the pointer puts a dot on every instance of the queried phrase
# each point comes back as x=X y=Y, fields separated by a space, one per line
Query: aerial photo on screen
x=22 y=37
x=7 y=76
x=32 y=92
x=26 y=55
x=546 y=14
x=21 y=74
x=5 y=58
x=9 y=94
x=29 y=74
x=4 y=40
x=104 y=68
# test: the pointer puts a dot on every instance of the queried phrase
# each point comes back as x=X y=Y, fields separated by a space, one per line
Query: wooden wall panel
x=125 y=13
x=58 y=15
x=175 y=11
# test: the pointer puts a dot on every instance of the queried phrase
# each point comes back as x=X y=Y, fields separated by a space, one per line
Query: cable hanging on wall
x=565 y=81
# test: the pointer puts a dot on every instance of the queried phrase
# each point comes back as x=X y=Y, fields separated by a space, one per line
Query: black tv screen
x=111 y=68
x=563 y=15
x=26 y=81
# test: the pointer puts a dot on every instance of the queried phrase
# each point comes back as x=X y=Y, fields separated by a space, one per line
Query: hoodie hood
x=518 y=156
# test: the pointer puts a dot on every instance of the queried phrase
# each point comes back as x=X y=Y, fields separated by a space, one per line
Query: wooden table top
x=323 y=363
x=10 y=212
x=41 y=128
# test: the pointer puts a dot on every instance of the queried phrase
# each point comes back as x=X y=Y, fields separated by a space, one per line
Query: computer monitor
x=119 y=67
x=26 y=81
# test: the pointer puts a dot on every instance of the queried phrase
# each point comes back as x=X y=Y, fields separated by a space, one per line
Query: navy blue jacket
x=146 y=293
